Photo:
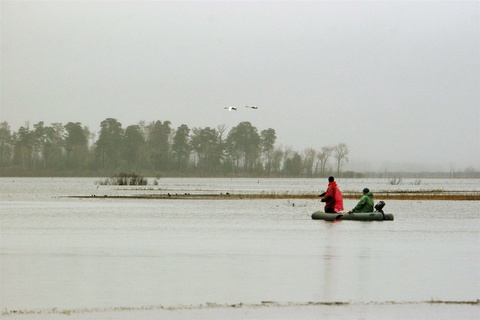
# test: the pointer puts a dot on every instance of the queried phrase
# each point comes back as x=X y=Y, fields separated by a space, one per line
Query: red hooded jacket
x=333 y=198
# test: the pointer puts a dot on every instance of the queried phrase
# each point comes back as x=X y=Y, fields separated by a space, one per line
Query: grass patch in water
x=390 y=195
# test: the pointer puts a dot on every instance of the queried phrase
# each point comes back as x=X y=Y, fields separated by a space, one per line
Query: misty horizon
x=398 y=82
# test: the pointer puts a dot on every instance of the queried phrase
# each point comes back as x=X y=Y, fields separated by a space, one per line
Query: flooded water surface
x=67 y=253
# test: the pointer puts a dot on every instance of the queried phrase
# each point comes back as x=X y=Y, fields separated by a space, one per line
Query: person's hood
x=369 y=194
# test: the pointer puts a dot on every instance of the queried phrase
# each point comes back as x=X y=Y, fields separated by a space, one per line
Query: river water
x=97 y=254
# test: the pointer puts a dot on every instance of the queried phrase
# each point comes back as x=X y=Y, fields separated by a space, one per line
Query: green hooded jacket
x=365 y=204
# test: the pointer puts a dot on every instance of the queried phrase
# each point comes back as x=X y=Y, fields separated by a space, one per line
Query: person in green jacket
x=365 y=204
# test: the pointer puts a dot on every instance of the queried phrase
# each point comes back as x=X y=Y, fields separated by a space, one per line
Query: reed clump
x=123 y=179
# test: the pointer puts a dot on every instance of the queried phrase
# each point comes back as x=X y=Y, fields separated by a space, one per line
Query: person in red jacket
x=332 y=197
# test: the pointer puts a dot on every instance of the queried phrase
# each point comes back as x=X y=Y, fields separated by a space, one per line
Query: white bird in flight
x=251 y=107
x=231 y=108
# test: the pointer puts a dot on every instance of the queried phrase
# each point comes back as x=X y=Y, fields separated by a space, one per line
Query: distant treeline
x=156 y=149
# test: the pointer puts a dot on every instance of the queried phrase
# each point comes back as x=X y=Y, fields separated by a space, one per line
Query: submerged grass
x=390 y=195
x=211 y=305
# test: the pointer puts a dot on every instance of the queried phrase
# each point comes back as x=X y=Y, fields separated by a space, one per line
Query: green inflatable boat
x=364 y=216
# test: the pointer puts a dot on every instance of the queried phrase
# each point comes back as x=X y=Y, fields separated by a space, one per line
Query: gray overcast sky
x=398 y=82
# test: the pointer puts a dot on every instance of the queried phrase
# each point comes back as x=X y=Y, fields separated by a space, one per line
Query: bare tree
x=308 y=160
x=222 y=128
x=323 y=157
x=340 y=153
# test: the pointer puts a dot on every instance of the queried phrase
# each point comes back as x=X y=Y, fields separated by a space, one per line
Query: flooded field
x=108 y=255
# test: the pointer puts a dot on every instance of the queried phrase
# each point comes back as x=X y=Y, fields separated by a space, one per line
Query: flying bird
x=251 y=107
x=231 y=108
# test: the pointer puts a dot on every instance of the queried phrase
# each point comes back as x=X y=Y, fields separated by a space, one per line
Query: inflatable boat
x=363 y=216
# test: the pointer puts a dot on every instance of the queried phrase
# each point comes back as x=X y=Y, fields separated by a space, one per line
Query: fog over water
x=398 y=82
